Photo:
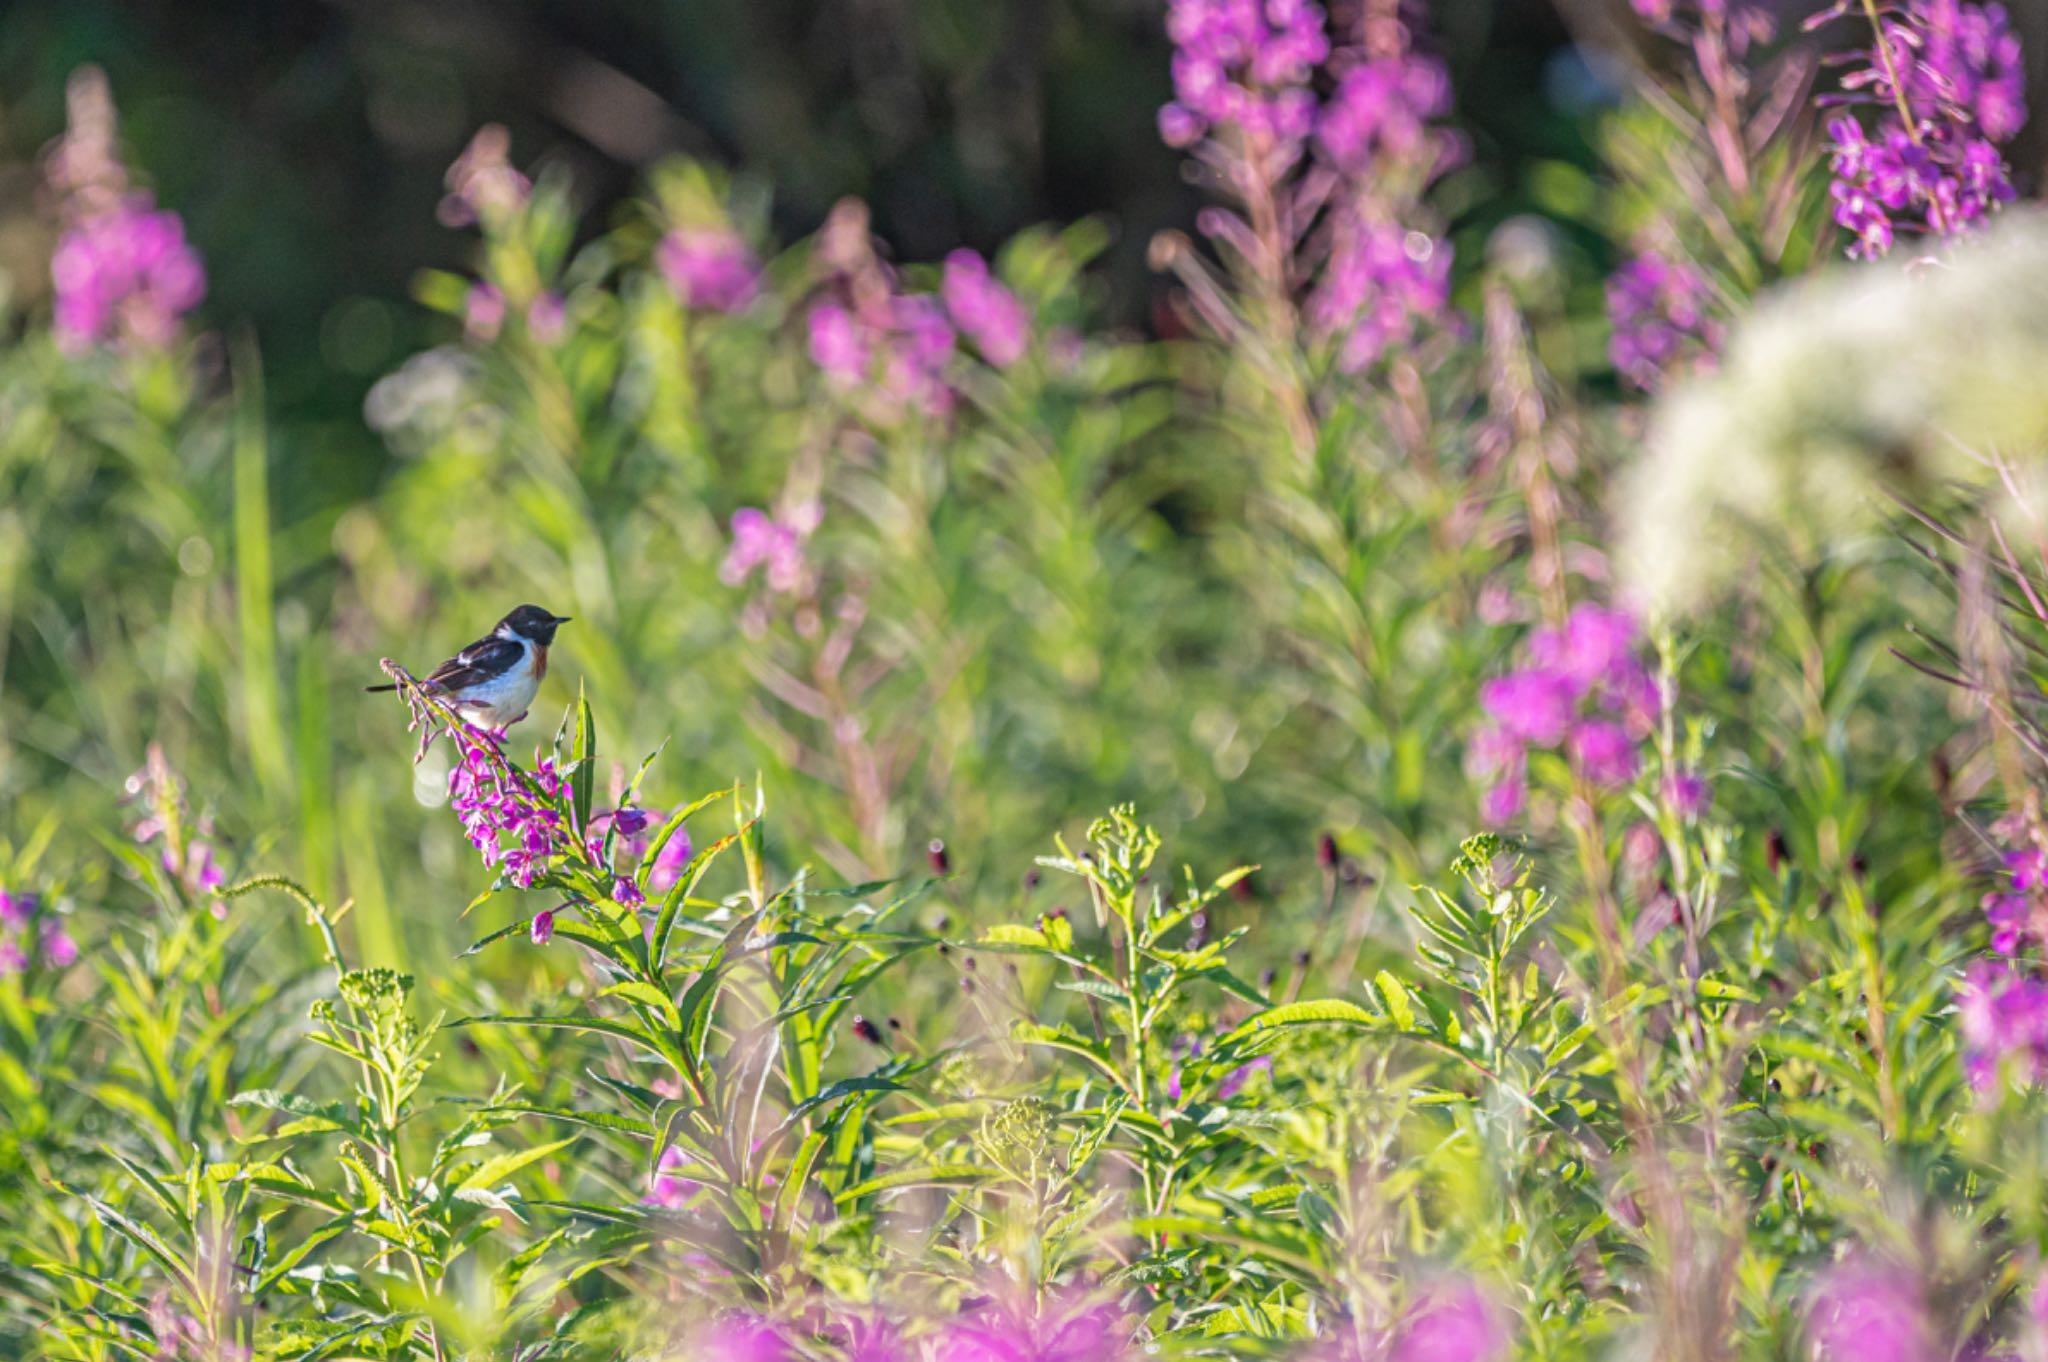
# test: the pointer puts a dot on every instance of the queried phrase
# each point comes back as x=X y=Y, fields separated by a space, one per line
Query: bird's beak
x=559 y=619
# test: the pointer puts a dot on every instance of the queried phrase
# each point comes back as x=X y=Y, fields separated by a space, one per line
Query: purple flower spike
x=986 y=311
x=1454 y=1323
x=1604 y=752
x=709 y=269
x=670 y=864
x=757 y=541
x=1658 y=310
x=1869 y=1313
x=126 y=272
x=1532 y=706
x=503 y=810
x=1931 y=162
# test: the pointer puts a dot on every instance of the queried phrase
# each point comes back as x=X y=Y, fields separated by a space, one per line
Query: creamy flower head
x=1858 y=379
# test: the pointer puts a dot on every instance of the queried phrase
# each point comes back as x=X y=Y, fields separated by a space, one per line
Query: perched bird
x=492 y=681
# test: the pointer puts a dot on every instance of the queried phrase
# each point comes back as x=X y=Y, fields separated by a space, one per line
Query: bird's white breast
x=500 y=701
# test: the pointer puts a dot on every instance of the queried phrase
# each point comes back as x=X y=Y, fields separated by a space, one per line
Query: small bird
x=492 y=681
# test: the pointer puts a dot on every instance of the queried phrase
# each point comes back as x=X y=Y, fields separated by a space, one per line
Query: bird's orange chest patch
x=540 y=661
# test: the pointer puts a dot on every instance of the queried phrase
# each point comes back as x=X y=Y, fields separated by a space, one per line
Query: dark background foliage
x=305 y=143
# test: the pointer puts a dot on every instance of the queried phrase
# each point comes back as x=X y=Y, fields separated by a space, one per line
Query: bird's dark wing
x=480 y=661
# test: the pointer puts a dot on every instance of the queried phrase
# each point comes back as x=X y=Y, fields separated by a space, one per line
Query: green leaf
x=584 y=779
x=1014 y=934
x=315 y=1115
x=616 y=1030
x=1396 y=998
x=795 y=1178
x=938 y=1175
x=493 y=1171
x=845 y=1087
x=1316 y=1012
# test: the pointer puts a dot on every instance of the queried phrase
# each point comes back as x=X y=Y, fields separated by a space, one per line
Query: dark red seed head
x=1326 y=851
x=867 y=1030
x=935 y=852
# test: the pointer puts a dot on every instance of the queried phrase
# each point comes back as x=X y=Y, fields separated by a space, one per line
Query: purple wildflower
x=740 y=1339
x=12 y=961
x=673 y=859
x=986 y=311
x=1503 y=801
x=1381 y=283
x=709 y=268
x=1866 y=1312
x=669 y=1190
x=1532 y=706
x=1603 y=751
x=16 y=909
x=2011 y=908
x=1583 y=688
x=125 y=272
x=2003 y=1016
x=1657 y=309
x=547 y=318
x=483 y=187
x=483 y=312
x=837 y=345
x=1688 y=793
x=1453 y=1323
x=57 y=948
x=1243 y=65
x=1382 y=109
x=1931 y=162
x=758 y=540
x=505 y=812
x=542 y=929
x=1059 y=1331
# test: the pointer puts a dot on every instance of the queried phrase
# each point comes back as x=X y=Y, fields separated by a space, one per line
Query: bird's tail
x=372 y=690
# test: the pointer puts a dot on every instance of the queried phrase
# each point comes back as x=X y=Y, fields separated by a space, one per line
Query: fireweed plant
x=1727 y=1039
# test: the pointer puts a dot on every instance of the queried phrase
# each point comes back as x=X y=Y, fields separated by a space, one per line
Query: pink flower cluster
x=1584 y=689
x=889 y=350
x=2002 y=1003
x=773 y=543
x=30 y=933
x=984 y=310
x=509 y=816
x=1746 y=18
x=1864 y=1311
x=2013 y=910
x=1380 y=285
x=904 y=336
x=181 y=1336
x=1452 y=1323
x=1384 y=109
x=483 y=185
x=632 y=833
x=1243 y=64
x=709 y=268
x=1371 y=279
x=1931 y=163
x=1658 y=309
x=126 y=273
x=2002 y=1009
x=670 y=1188
x=187 y=858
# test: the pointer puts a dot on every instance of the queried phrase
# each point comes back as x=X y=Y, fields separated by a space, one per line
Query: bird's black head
x=532 y=622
